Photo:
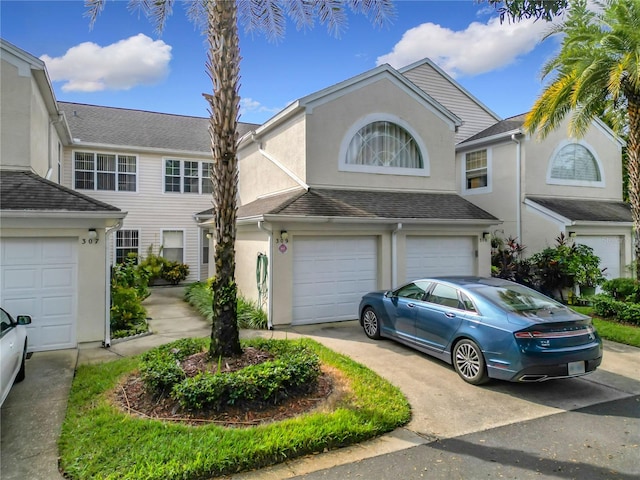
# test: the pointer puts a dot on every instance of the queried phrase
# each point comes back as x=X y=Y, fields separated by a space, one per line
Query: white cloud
x=88 y=67
x=249 y=105
x=480 y=48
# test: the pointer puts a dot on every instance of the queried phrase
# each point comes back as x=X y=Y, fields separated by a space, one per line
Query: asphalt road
x=597 y=442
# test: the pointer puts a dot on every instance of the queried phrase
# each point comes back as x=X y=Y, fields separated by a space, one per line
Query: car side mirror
x=388 y=294
x=23 y=319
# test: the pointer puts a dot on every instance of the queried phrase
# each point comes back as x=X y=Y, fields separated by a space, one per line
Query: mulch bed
x=132 y=397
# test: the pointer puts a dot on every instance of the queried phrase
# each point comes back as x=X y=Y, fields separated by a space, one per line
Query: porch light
x=284 y=236
x=93 y=234
x=486 y=236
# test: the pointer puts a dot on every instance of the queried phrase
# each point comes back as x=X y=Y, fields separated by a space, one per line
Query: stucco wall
x=328 y=124
x=91 y=273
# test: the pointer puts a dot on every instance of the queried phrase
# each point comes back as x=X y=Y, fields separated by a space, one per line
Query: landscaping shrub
x=174 y=272
x=507 y=261
x=250 y=315
x=621 y=288
x=294 y=369
x=127 y=312
x=160 y=367
x=607 y=307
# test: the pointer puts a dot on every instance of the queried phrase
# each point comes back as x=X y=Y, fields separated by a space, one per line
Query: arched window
x=575 y=162
x=384 y=144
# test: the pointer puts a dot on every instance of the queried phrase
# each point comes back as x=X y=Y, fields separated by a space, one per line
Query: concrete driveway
x=443 y=406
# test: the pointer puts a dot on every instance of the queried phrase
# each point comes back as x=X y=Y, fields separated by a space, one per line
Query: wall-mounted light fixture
x=93 y=234
x=209 y=234
x=284 y=236
x=486 y=236
x=572 y=234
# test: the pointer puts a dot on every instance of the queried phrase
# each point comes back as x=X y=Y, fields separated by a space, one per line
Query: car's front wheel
x=371 y=323
x=469 y=362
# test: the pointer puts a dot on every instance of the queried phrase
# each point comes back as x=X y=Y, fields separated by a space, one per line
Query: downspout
x=107 y=290
x=262 y=227
x=394 y=255
x=49 y=160
x=515 y=138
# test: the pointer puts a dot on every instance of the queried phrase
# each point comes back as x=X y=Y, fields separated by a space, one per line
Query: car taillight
x=555 y=334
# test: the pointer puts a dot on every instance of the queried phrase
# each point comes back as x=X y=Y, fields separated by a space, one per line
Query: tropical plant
x=597 y=73
x=507 y=260
x=219 y=19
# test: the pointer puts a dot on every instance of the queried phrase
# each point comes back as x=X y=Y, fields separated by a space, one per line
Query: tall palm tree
x=219 y=19
x=597 y=74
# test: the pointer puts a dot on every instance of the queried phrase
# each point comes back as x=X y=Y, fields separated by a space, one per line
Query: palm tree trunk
x=223 y=67
x=633 y=166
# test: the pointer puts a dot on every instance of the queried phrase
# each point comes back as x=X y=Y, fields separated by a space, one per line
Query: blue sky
x=123 y=62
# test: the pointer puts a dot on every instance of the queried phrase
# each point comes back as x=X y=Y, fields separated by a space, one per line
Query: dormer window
x=383 y=145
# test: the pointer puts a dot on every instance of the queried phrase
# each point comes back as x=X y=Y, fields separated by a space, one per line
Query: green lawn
x=100 y=441
x=612 y=330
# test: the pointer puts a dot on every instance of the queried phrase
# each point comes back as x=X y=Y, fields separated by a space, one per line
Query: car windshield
x=518 y=298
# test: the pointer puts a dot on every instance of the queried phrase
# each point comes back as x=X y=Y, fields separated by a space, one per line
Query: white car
x=13 y=351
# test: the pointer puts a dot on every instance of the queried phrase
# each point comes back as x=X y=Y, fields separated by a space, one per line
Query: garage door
x=330 y=275
x=433 y=256
x=38 y=278
x=608 y=249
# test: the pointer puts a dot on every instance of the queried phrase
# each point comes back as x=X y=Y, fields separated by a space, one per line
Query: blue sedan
x=486 y=327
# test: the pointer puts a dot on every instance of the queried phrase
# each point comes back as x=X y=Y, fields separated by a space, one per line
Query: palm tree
x=597 y=74
x=219 y=19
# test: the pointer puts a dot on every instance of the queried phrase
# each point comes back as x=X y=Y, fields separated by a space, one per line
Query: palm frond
x=93 y=10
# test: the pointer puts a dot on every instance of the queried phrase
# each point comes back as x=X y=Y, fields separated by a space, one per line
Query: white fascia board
x=274 y=121
x=79 y=144
x=499 y=137
x=450 y=79
x=63 y=214
x=372 y=76
x=555 y=216
x=365 y=220
x=604 y=128
x=591 y=223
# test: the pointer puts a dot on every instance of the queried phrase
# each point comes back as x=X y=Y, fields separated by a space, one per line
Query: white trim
x=184 y=248
x=383 y=117
x=575 y=183
x=479 y=190
x=95 y=153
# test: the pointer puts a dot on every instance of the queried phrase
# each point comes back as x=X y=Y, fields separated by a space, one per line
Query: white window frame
x=128 y=247
x=95 y=171
x=343 y=166
x=201 y=178
x=180 y=230
x=463 y=172
x=575 y=183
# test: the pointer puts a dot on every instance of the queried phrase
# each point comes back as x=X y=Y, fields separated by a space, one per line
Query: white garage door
x=434 y=256
x=330 y=275
x=608 y=249
x=39 y=278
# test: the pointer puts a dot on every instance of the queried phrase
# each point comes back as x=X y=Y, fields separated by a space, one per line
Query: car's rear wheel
x=371 y=323
x=22 y=371
x=469 y=362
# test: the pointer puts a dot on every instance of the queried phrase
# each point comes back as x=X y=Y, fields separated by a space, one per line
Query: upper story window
x=187 y=176
x=383 y=144
x=574 y=164
x=476 y=171
x=104 y=171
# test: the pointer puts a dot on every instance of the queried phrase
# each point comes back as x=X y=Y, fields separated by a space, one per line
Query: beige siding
x=475 y=118
x=329 y=123
x=150 y=210
x=27 y=139
x=259 y=175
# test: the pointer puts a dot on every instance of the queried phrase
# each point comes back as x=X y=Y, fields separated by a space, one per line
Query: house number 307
x=90 y=241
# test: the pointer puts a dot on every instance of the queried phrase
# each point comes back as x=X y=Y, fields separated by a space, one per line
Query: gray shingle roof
x=503 y=126
x=366 y=204
x=26 y=191
x=139 y=128
x=586 y=210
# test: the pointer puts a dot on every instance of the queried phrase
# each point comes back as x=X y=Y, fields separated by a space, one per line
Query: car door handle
x=411 y=305
x=450 y=315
